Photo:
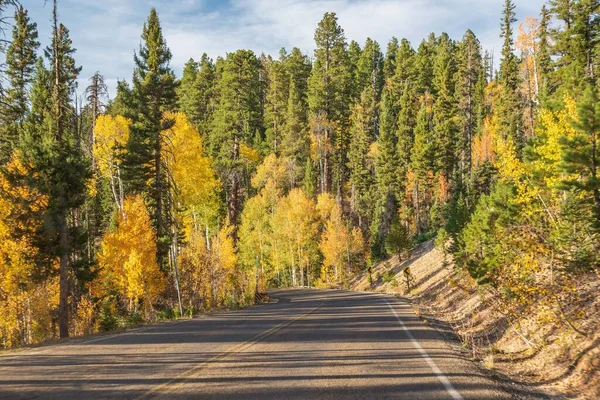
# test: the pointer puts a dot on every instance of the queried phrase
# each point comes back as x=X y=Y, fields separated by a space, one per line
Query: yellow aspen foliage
x=273 y=169
x=554 y=125
x=225 y=258
x=342 y=249
x=510 y=168
x=208 y=270
x=194 y=272
x=255 y=232
x=110 y=138
x=294 y=223
x=192 y=173
x=209 y=277
x=26 y=304
x=127 y=257
x=249 y=154
x=326 y=206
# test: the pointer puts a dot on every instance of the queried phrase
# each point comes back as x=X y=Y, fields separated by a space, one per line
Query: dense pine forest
x=185 y=194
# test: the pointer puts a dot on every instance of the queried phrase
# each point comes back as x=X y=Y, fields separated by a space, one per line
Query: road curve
x=311 y=344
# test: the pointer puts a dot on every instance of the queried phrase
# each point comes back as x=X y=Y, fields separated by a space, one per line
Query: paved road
x=309 y=345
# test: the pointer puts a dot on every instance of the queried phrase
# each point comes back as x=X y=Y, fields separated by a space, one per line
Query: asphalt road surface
x=309 y=345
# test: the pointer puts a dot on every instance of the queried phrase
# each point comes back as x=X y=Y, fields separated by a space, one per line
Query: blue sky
x=106 y=32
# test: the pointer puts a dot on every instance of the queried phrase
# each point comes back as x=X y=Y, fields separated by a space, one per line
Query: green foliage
x=581 y=153
x=20 y=63
x=398 y=240
x=153 y=93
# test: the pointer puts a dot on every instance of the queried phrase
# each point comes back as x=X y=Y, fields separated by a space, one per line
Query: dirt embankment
x=550 y=356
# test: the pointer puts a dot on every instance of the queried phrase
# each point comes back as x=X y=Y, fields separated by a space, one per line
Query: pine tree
x=329 y=95
x=354 y=53
x=59 y=169
x=405 y=69
x=424 y=62
x=544 y=60
x=235 y=123
x=423 y=163
x=187 y=94
x=389 y=61
x=207 y=96
x=277 y=100
x=122 y=103
x=386 y=169
x=444 y=109
x=509 y=112
x=370 y=75
x=20 y=62
x=405 y=130
x=362 y=134
x=581 y=153
x=370 y=69
x=576 y=43
x=468 y=73
x=295 y=141
x=153 y=94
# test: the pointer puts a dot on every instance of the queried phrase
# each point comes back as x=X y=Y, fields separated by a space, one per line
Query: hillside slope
x=556 y=357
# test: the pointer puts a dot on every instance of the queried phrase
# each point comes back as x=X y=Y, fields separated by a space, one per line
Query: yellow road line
x=179 y=379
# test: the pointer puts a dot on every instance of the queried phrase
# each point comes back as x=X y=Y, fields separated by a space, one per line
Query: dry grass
x=549 y=355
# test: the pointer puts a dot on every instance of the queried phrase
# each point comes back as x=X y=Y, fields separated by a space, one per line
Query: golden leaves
x=193 y=176
x=110 y=138
x=127 y=256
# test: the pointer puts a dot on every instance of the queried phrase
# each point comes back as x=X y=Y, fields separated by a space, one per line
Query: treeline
x=181 y=195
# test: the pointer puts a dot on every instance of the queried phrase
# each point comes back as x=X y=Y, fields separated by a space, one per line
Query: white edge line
x=442 y=378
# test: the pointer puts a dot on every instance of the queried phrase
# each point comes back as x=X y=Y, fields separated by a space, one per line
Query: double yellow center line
x=180 y=379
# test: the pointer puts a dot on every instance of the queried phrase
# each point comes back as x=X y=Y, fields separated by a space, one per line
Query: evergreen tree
x=329 y=95
x=509 y=112
x=423 y=164
x=308 y=182
x=424 y=62
x=206 y=94
x=20 y=62
x=362 y=134
x=370 y=75
x=187 y=94
x=295 y=142
x=152 y=95
x=370 y=69
x=354 y=53
x=386 y=169
x=59 y=171
x=405 y=130
x=235 y=124
x=468 y=72
x=389 y=61
x=544 y=60
x=576 y=43
x=276 y=101
x=444 y=109
x=121 y=104
x=581 y=153
x=405 y=69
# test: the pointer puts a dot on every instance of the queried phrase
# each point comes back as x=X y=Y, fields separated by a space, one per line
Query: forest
x=182 y=195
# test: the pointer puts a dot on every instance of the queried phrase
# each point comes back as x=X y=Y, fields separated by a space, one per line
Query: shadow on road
x=309 y=345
